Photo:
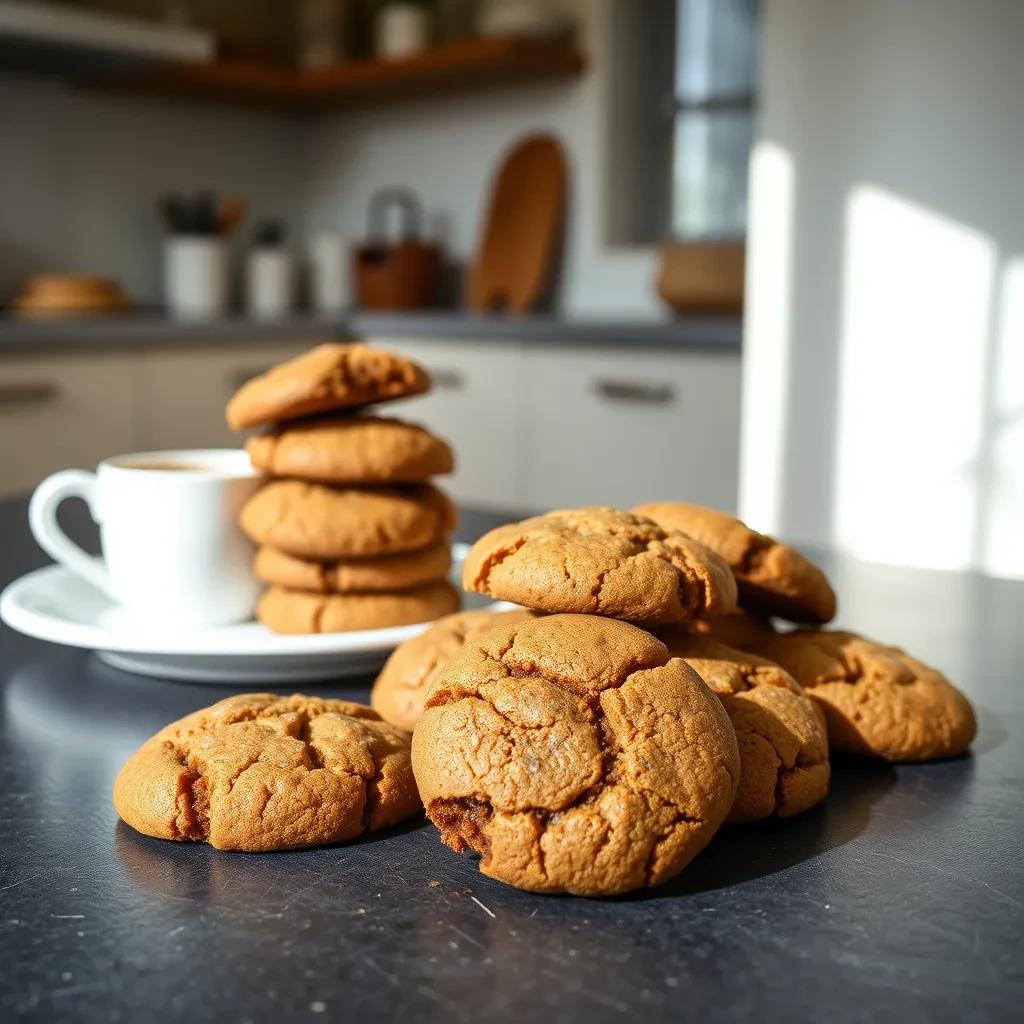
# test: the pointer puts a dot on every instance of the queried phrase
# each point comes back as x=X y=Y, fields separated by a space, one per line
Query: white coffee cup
x=172 y=547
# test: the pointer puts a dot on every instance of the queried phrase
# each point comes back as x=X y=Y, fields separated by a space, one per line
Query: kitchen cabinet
x=475 y=404
x=59 y=411
x=620 y=427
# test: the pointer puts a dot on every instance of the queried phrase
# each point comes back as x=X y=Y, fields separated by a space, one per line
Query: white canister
x=330 y=273
x=269 y=282
x=402 y=29
x=195 y=276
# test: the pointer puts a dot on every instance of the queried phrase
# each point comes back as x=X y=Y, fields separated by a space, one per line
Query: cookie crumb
x=434 y=884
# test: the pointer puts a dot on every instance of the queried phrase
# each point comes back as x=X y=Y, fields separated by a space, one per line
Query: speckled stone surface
x=901 y=898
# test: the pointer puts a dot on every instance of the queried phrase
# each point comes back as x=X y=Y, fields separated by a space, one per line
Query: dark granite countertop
x=20 y=336
x=901 y=898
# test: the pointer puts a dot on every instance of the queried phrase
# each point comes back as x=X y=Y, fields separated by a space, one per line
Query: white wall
x=448 y=148
x=79 y=173
x=884 y=352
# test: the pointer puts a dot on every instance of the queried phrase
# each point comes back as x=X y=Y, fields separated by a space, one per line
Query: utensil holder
x=195 y=276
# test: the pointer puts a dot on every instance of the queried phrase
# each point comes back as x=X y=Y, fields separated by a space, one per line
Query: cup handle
x=42 y=519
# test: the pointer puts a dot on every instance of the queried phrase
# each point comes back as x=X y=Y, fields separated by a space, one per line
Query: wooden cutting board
x=522 y=230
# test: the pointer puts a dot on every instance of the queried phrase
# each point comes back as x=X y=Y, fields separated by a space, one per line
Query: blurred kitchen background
x=549 y=205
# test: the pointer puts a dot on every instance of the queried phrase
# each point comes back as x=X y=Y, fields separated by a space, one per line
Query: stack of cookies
x=351 y=534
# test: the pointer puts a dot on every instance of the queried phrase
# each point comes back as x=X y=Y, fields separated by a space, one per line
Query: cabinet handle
x=28 y=393
x=635 y=391
x=448 y=380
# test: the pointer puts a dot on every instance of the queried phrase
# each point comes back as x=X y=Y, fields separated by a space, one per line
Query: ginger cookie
x=259 y=772
x=294 y=611
x=345 y=575
x=401 y=688
x=784 y=767
x=360 y=450
x=318 y=521
x=600 y=561
x=330 y=376
x=574 y=756
x=773 y=578
x=877 y=699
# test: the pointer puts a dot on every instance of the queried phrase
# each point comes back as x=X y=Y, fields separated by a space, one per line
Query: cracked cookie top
x=320 y=521
x=600 y=561
x=401 y=688
x=573 y=755
x=330 y=376
x=877 y=699
x=359 y=449
x=773 y=578
x=259 y=772
x=784 y=767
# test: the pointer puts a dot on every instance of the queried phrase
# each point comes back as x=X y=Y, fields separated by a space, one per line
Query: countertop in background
x=129 y=330
x=900 y=899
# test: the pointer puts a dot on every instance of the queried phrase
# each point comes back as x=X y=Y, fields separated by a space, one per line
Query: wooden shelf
x=451 y=68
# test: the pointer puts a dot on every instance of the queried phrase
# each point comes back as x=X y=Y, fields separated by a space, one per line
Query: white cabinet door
x=61 y=411
x=474 y=405
x=184 y=391
x=617 y=428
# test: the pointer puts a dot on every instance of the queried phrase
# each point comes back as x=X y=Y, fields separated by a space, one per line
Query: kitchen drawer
x=474 y=405
x=63 y=411
x=184 y=391
x=620 y=427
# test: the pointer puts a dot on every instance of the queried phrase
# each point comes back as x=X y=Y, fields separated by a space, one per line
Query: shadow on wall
x=884 y=374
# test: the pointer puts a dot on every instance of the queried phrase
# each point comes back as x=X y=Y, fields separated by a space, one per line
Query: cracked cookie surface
x=296 y=612
x=574 y=756
x=346 y=575
x=401 y=688
x=259 y=772
x=784 y=766
x=320 y=521
x=600 y=561
x=773 y=578
x=360 y=449
x=330 y=376
x=877 y=700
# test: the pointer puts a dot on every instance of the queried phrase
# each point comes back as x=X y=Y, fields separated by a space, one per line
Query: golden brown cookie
x=318 y=521
x=877 y=700
x=573 y=756
x=359 y=450
x=259 y=772
x=345 y=575
x=601 y=561
x=330 y=376
x=401 y=688
x=294 y=611
x=773 y=578
x=784 y=767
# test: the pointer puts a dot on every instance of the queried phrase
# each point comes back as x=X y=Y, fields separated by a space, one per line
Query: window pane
x=716 y=48
x=709 y=187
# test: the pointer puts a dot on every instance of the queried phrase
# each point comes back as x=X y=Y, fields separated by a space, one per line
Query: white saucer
x=54 y=604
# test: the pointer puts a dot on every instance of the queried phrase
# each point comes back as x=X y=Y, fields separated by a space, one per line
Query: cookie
x=318 y=521
x=877 y=700
x=574 y=756
x=401 y=688
x=363 y=449
x=294 y=611
x=345 y=575
x=773 y=578
x=331 y=376
x=600 y=561
x=784 y=767
x=259 y=772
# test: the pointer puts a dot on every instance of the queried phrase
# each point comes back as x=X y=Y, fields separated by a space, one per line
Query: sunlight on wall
x=766 y=335
x=915 y=322
x=1001 y=540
